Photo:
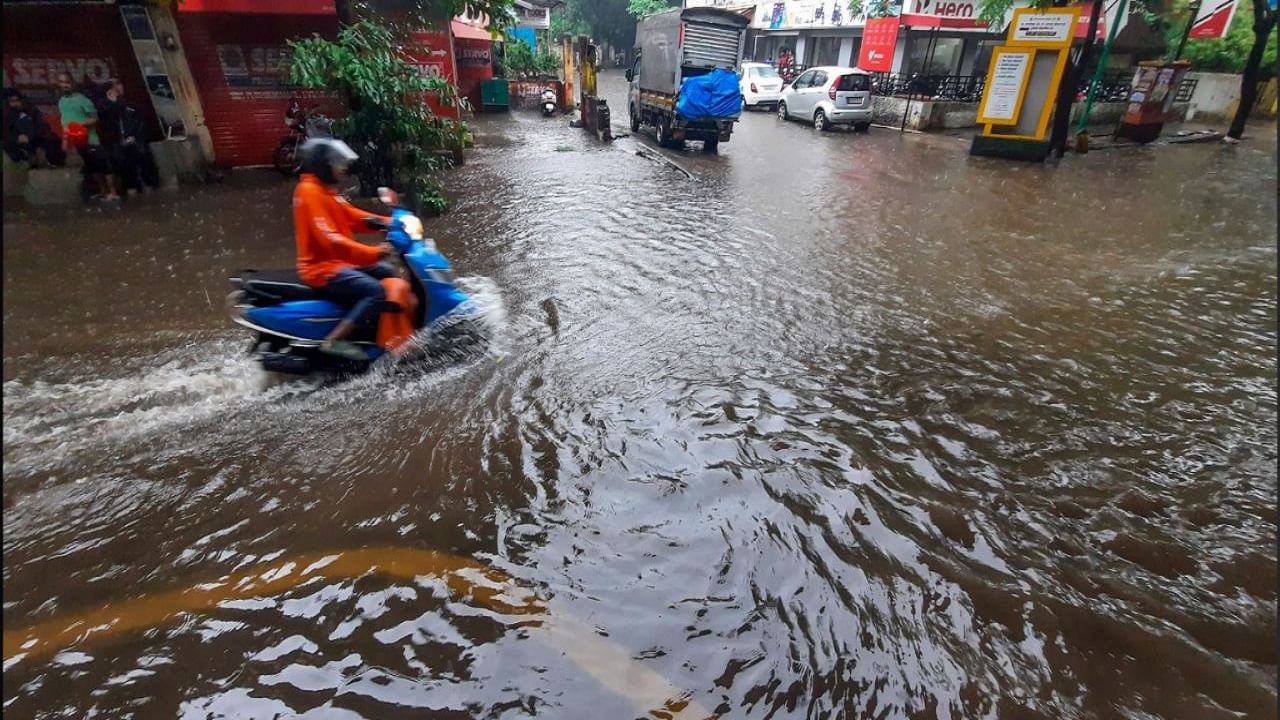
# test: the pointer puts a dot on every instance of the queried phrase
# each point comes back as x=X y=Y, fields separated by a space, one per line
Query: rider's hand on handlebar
x=377 y=223
x=387 y=249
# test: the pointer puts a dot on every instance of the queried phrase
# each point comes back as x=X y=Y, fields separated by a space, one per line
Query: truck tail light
x=753 y=88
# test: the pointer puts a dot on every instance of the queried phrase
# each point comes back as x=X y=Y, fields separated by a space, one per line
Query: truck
x=673 y=49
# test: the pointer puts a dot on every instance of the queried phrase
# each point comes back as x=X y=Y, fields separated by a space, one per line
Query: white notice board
x=1006 y=84
x=1043 y=29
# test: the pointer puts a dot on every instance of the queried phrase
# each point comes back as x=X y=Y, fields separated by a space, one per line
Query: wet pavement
x=843 y=426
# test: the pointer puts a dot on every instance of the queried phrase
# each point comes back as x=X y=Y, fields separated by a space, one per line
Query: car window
x=854 y=83
x=764 y=73
x=804 y=80
x=819 y=78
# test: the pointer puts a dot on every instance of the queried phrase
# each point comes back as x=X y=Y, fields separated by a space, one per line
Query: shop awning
x=463 y=31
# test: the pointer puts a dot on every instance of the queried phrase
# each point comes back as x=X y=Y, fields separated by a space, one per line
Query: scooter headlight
x=412 y=226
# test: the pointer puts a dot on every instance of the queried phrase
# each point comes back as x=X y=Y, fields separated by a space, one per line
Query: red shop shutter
x=240 y=65
x=87 y=41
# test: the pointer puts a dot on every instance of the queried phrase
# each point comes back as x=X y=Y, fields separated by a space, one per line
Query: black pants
x=359 y=289
x=128 y=161
x=26 y=152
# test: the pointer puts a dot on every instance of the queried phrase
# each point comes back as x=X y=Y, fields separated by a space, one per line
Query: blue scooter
x=289 y=318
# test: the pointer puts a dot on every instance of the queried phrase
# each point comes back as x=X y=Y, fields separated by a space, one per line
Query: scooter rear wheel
x=286 y=157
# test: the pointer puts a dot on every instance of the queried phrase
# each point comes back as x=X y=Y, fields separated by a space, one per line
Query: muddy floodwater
x=845 y=426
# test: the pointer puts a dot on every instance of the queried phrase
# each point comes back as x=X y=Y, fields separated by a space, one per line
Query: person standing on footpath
x=122 y=135
x=77 y=110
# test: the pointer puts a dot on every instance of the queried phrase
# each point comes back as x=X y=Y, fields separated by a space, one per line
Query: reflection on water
x=845 y=425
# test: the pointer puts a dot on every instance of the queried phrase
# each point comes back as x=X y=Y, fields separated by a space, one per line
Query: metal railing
x=953 y=88
x=1186 y=89
x=1113 y=87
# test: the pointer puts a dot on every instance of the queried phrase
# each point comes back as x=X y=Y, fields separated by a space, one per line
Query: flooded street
x=845 y=426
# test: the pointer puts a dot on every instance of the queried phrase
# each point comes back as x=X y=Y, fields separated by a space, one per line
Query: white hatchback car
x=828 y=96
x=760 y=85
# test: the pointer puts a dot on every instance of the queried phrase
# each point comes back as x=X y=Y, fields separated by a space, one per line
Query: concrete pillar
x=184 y=83
x=902 y=51
x=846 y=52
x=800 y=58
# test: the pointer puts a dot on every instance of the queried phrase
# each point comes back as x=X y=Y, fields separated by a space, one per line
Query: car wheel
x=664 y=132
x=782 y=110
x=635 y=118
x=862 y=127
x=820 y=121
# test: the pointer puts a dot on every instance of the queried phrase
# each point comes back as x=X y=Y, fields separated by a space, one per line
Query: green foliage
x=872 y=8
x=547 y=62
x=606 y=21
x=640 y=8
x=523 y=62
x=1226 y=54
x=397 y=135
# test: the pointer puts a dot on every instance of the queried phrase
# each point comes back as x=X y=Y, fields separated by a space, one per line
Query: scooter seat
x=268 y=287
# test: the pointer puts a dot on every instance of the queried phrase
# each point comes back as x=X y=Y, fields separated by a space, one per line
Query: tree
x=640 y=8
x=870 y=8
x=604 y=20
x=1264 y=23
x=396 y=133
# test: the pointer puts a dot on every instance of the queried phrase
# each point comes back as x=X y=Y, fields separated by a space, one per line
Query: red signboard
x=1213 y=19
x=1082 y=25
x=432 y=51
x=879 y=38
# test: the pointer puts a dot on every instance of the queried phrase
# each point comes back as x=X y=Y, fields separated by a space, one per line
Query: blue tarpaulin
x=711 y=96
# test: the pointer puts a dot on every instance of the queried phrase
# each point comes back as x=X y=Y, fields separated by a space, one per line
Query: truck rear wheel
x=635 y=118
x=664 y=132
x=711 y=146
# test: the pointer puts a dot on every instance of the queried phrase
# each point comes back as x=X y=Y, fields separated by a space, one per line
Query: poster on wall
x=879 y=39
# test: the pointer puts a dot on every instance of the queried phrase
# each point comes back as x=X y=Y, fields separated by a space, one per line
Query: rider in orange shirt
x=329 y=258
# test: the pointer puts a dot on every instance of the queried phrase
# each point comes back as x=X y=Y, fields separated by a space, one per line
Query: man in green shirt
x=74 y=107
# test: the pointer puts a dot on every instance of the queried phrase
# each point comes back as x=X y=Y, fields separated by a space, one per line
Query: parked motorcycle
x=289 y=319
x=548 y=102
x=302 y=125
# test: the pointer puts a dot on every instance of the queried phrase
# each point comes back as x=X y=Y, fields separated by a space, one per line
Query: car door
x=815 y=92
x=633 y=86
x=796 y=100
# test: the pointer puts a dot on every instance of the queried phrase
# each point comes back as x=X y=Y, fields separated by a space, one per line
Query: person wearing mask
x=122 y=135
x=329 y=257
x=77 y=110
x=25 y=132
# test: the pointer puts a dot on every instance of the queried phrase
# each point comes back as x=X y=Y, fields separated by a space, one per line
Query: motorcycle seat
x=275 y=286
x=272 y=287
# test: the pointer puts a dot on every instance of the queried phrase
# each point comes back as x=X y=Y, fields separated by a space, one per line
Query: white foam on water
x=49 y=424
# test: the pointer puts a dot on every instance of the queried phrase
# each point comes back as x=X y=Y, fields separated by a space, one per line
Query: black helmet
x=319 y=156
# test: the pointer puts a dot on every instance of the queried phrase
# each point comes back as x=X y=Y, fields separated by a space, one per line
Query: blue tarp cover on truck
x=711 y=96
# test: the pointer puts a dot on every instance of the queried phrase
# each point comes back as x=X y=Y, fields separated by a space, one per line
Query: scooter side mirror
x=388 y=197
